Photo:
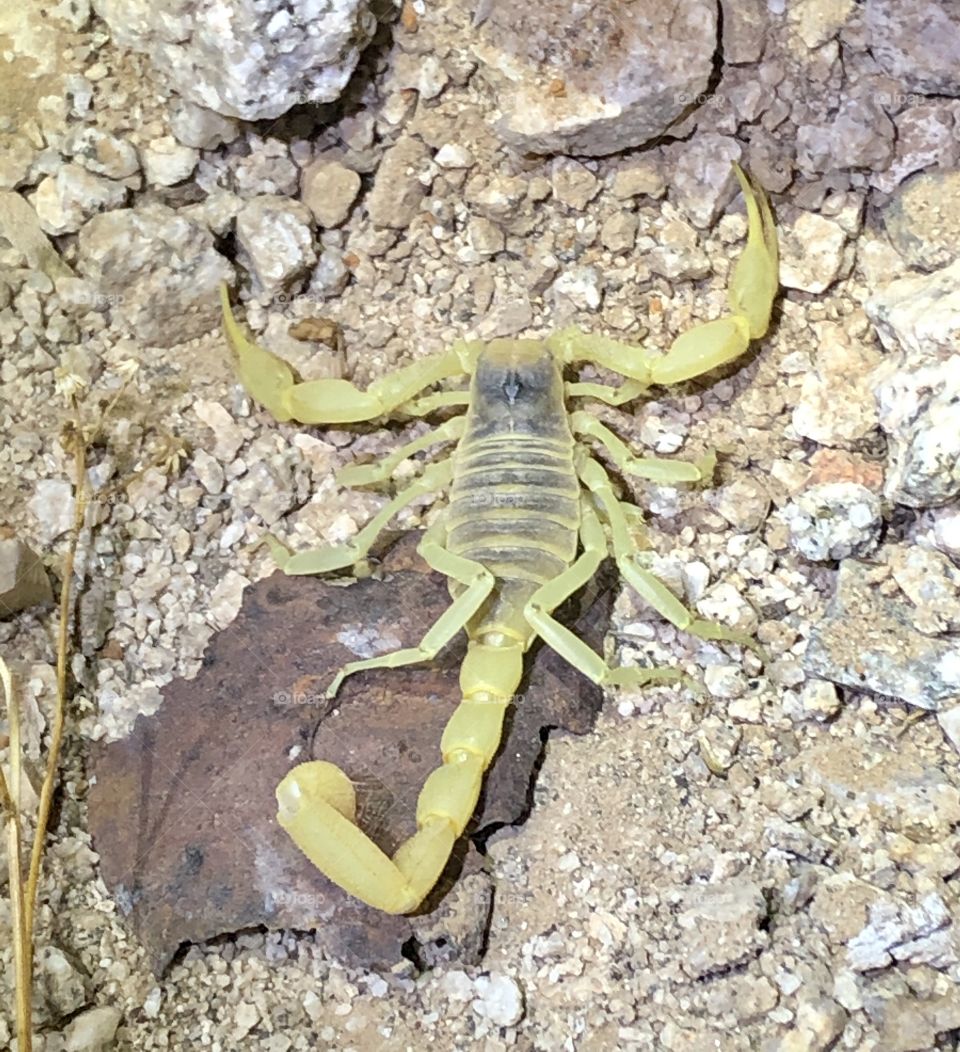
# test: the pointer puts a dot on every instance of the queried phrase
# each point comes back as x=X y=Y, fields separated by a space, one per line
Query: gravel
x=766 y=862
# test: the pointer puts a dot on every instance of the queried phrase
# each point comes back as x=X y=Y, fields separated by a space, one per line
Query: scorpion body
x=531 y=515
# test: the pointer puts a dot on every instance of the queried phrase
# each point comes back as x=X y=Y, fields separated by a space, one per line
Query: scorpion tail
x=317 y=803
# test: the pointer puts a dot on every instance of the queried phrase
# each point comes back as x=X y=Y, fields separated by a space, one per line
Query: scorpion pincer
x=531 y=515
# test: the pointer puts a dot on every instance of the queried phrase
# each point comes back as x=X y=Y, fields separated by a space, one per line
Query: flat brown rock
x=183 y=811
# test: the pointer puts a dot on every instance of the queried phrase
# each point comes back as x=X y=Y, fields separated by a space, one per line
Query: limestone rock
x=925 y=138
x=275 y=242
x=253 y=59
x=157 y=269
x=65 y=201
x=201 y=128
x=397 y=189
x=919 y=387
x=917 y=42
x=834 y=520
x=329 y=189
x=860 y=135
x=166 y=162
x=93 y=1030
x=701 y=178
x=840 y=363
x=585 y=79
x=811 y=249
x=102 y=153
x=868 y=642
x=721 y=926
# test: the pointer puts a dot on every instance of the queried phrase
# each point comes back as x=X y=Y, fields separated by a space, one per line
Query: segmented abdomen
x=514 y=505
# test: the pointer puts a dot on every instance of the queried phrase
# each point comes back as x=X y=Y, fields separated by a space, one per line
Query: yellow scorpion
x=531 y=515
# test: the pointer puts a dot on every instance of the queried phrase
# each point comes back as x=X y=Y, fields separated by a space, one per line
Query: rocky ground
x=770 y=864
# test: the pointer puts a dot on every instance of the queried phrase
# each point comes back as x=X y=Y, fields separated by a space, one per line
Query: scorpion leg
x=380 y=470
x=317 y=802
x=271 y=382
x=750 y=298
x=654 y=468
x=338 y=556
x=479 y=582
x=438 y=400
x=570 y=647
x=602 y=393
x=648 y=586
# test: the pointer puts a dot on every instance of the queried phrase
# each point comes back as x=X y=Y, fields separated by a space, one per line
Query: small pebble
x=499 y=1000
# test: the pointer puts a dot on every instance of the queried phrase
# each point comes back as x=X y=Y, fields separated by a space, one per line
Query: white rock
x=499 y=1000
x=918 y=388
x=275 y=242
x=834 y=520
x=840 y=363
x=574 y=185
x=946 y=530
x=65 y=201
x=811 y=252
x=227 y=435
x=677 y=253
x=102 y=153
x=696 y=577
x=725 y=681
x=819 y=699
x=201 y=128
x=209 y=471
x=166 y=162
x=457 y=985
x=702 y=181
x=151 y=1003
x=918 y=411
x=157 y=270
x=452 y=155
x=582 y=286
x=60 y=983
x=566 y=76
x=240 y=59
x=226 y=599
x=93 y=1030
x=52 y=505
x=949 y=720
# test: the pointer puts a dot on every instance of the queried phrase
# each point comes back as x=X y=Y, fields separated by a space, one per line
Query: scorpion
x=531 y=515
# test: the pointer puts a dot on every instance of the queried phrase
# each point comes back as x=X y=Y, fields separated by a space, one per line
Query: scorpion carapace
x=531 y=515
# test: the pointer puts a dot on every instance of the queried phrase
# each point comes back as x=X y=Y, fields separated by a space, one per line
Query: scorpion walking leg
x=366 y=474
x=336 y=557
x=654 y=468
x=479 y=582
x=317 y=802
x=603 y=393
x=649 y=587
x=547 y=598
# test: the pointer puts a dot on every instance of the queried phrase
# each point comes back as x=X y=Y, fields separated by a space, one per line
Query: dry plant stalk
x=23 y=892
x=10 y=802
